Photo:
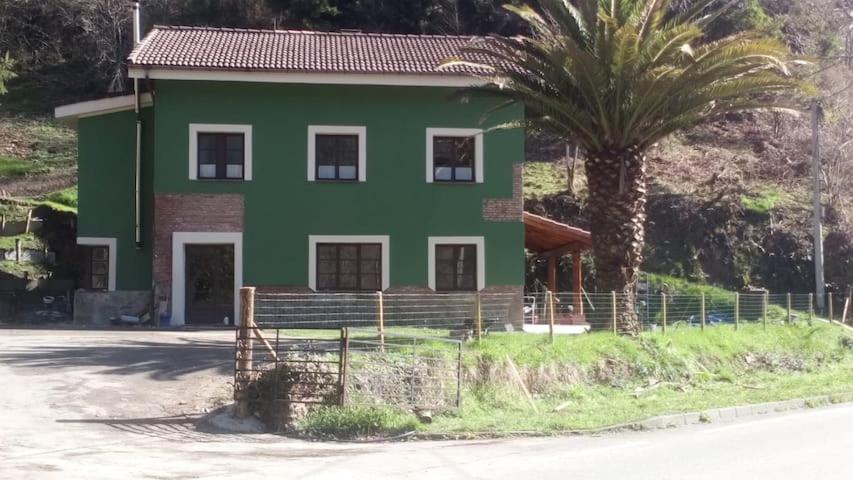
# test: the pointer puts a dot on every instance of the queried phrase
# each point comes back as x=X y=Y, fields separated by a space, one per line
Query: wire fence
x=467 y=315
x=595 y=311
x=440 y=311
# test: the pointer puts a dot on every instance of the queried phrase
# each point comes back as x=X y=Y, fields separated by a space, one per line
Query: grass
x=62 y=200
x=16 y=167
x=599 y=379
x=544 y=178
x=602 y=380
x=357 y=422
x=764 y=202
x=23 y=269
x=28 y=241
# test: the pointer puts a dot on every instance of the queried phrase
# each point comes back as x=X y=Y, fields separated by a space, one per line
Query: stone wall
x=98 y=308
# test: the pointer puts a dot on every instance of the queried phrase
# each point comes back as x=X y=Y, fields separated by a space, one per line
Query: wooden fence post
x=663 y=311
x=764 y=305
x=737 y=310
x=788 y=297
x=829 y=305
x=613 y=312
x=244 y=366
x=479 y=325
x=551 y=305
x=380 y=307
x=343 y=360
x=702 y=310
x=844 y=312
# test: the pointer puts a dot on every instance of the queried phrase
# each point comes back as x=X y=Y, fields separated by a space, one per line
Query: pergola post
x=552 y=273
x=577 y=282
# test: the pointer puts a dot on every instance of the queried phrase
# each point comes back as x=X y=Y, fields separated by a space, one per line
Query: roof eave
x=320 y=78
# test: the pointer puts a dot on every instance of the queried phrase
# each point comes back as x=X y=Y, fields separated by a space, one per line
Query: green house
x=296 y=162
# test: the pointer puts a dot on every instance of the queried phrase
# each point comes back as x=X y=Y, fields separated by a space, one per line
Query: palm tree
x=616 y=77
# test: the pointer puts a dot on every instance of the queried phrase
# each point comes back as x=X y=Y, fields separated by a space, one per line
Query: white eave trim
x=390 y=79
x=100 y=107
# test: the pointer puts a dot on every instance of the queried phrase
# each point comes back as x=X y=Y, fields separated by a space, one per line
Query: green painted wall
x=106 y=161
x=283 y=208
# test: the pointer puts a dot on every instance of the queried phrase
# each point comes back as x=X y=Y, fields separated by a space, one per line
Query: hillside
x=729 y=201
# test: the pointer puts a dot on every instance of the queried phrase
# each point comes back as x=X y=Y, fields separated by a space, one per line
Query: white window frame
x=246 y=130
x=383 y=240
x=360 y=131
x=477 y=133
x=111 y=244
x=179 y=242
x=479 y=242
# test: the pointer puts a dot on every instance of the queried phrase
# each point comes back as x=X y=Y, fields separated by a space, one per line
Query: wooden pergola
x=553 y=240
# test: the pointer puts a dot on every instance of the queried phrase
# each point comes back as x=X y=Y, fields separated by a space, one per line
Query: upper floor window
x=221 y=155
x=337 y=153
x=220 y=152
x=454 y=155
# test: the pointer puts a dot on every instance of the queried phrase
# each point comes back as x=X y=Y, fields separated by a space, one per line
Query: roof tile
x=301 y=51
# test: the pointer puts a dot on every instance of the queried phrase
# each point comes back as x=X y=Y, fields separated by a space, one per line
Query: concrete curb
x=733 y=413
x=715 y=415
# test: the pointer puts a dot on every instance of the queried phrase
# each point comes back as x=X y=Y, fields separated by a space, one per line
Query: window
x=98 y=272
x=337 y=157
x=97 y=263
x=456 y=267
x=221 y=155
x=453 y=159
x=454 y=155
x=349 y=266
x=220 y=152
x=337 y=153
x=457 y=263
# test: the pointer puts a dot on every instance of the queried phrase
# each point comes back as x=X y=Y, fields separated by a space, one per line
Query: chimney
x=136 y=24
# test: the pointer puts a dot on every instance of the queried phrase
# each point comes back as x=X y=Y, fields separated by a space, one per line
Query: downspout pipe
x=138 y=110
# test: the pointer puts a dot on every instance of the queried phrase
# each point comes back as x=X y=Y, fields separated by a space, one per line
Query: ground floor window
x=349 y=266
x=96 y=267
x=456 y=267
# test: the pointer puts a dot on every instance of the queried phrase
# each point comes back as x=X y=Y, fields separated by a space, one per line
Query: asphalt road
x=94 y=405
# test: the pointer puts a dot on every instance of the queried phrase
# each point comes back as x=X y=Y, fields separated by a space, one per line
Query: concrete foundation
x=99 y=308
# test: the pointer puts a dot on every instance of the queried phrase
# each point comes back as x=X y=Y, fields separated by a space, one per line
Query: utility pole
x=818 y=209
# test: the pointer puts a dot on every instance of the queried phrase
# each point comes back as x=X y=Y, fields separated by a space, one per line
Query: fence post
x=342 y=365
x=829 y=305
x=702 y=310
x=764 y=303
x=551 y=316
x=613 y=312
x=811 y=308
x=244 y=364
x=381 y=318
x=663 y=311
x=789 y=307
x=737 y=310
x=479 y=325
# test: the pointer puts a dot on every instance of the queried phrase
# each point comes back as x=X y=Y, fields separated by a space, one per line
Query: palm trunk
x=617 y=212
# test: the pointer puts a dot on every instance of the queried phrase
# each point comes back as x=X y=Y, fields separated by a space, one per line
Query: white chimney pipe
x=136 y=24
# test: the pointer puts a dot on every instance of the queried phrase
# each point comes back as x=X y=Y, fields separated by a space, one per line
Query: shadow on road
x=159 y=360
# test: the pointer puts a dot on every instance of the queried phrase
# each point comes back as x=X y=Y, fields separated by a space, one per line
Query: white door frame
x=179 y=242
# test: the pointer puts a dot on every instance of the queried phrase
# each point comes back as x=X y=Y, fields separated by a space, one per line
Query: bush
x=357 y=422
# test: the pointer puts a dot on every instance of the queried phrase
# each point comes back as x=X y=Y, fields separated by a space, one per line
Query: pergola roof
x=543 y=235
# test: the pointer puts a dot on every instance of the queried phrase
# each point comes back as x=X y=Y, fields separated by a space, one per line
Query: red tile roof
x=300 y=51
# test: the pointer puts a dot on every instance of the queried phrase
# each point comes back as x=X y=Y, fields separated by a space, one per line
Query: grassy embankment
x=598 y=380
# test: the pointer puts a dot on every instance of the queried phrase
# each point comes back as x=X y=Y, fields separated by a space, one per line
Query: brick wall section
x=507 y=209
x=189 y=212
